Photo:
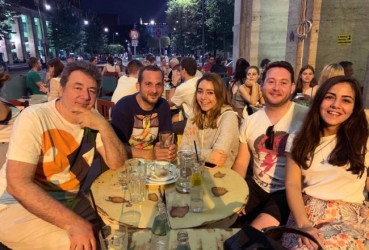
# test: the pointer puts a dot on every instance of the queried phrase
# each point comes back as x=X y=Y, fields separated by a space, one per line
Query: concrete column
x=314 y=34
x=31 y=36
x=242 y=29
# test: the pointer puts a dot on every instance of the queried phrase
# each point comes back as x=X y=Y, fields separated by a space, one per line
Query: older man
x=139 y=118
x=51 y=151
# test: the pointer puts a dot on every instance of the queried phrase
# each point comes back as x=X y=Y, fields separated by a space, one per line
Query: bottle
x=160 y=230
x=196 y=203
x=182 y=238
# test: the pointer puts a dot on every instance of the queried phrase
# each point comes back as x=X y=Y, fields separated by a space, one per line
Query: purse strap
x=276 y=233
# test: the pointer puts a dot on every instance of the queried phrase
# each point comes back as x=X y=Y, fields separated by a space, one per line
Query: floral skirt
x=344 y=225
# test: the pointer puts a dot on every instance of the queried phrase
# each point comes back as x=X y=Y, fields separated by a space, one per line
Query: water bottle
x=182 y=238
x=196 y=203
x=160 y=230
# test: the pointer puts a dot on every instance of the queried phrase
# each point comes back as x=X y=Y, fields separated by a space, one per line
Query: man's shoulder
x=162 y=104
x=127 y=100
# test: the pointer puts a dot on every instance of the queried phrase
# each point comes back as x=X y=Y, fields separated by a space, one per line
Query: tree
x=94 y=39
x=219 y=22
x=7 y=18
x=184 y=21
x=66 y=29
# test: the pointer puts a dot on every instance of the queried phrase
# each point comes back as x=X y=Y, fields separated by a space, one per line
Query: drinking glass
x=166 y=139
x=123 y=179
x=118 y=240
x=186 y=160
x=136 y=170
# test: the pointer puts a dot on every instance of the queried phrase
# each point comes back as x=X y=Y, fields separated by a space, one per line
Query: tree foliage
x=94 y=39
x=7 y=18
x=66 y=29
x=184 y=22
x=219 y=22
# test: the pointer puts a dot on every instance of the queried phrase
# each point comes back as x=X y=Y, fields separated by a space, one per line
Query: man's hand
x=165 y=154
x=81 y=236
x=218 y=157
x=90 y=119
x=309 y=243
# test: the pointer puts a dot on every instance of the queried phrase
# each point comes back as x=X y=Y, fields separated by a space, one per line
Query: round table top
x=141 y=215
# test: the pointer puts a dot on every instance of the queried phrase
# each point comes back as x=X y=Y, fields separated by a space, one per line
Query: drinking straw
x=197 y=155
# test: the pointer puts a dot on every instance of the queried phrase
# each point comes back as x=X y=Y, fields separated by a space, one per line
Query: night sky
x=129 y=11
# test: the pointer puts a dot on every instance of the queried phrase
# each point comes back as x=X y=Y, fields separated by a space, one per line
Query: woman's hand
x=218 y=157
x=249 y=83
x=306 y=241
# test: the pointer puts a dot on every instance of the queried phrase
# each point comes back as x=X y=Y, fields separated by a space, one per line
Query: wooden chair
x=18 y=103
x=105 y=107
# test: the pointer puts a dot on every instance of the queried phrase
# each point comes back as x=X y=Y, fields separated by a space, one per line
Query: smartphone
x=210 y=165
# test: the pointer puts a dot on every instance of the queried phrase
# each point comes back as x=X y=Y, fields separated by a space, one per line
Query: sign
x=158 y=32
x=134 y=34
x=344 y=39
x=135 y=43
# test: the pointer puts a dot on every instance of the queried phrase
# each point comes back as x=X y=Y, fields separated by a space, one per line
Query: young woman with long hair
x=330 y=70
x=306 y=82
x=214 y=124
x=327 y=170
x=251 y=91
x=55 y=69
x=237 y=81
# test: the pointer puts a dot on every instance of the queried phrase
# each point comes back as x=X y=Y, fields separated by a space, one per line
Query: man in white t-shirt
x=127 y=84
x=263 y=135
x=183 y=94
x=51 y=151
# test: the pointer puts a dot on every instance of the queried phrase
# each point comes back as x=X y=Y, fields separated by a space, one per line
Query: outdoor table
x=141 y=215
x=198 y=238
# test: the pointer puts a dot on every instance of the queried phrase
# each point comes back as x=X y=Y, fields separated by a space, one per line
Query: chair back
x=18 y=103
x=15 y=88
x=109 y=83
x=105 y=107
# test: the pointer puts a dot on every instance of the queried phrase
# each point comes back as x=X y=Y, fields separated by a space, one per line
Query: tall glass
x=186 y=160
x=136 y=171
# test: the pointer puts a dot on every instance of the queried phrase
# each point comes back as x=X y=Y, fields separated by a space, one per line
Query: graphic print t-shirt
x=269 y=164
x=41 y=136
x=137 y=127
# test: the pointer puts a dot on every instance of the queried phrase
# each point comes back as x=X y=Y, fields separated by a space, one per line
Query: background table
x=142 y=215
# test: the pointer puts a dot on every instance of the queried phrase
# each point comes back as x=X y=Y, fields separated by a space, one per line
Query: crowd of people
x=305 y=163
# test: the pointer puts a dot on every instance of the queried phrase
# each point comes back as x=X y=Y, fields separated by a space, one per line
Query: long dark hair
x=203 y=120
x=351 y=144
x=299 y=82
x=240 y=70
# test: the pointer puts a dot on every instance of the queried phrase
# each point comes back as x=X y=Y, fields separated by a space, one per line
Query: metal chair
x=105 y=107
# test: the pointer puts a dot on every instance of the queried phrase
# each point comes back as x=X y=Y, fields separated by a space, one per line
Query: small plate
x=153 y=179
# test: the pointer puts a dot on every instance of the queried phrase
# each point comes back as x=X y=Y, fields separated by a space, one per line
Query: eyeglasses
x=270 y=141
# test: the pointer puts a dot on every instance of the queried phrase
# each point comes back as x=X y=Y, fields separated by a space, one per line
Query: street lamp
x=85 y=22
x=106 y=29
x=152 y=22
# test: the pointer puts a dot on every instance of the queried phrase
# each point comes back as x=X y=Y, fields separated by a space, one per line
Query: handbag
x=249 y=238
